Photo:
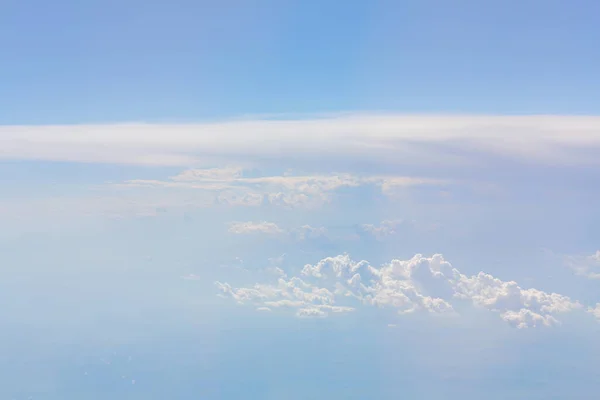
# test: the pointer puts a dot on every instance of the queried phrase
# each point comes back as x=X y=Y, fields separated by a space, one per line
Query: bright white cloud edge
x=431 y=284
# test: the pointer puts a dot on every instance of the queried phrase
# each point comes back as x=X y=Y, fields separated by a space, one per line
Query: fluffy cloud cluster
x=339 y=284
x=521 y=307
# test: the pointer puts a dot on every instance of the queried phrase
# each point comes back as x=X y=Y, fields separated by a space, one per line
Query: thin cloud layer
x=230 y=186
x=304 y=232
x=207 y=187
x=245 y=228
x=391 y=139
x=588 y=266
x=339 y=284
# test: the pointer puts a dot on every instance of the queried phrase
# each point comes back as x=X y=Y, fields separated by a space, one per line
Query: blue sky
x=187 y=60
x=299 y=199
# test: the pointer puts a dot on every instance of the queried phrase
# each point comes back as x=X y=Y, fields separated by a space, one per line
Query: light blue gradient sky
x=112 y=234
x=139 y=60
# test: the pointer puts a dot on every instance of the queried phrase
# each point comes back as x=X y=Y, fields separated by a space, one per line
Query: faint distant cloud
x=191 y=277
x=204 y=188
x=229 y=185
x=304 y=232
x=392 y=227
x=277 y=261
x=311 y=312
x=308 y=232
x=384 y=229
x=586 y=265
x=249 y=227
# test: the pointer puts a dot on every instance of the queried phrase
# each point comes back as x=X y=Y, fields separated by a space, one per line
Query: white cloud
x=242 y=228
x=595 y=311
x=339 y=284
x=522 y=307
x=588 y=266
x=525 y=318
x=414 y=139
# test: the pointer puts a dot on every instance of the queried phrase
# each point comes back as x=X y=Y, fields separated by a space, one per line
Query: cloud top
x=421 y=284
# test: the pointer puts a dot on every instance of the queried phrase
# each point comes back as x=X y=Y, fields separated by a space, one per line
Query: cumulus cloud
x=295 y=294
x=588 y=266
x=394 y=139
x=249 y=227
x=521 y=307
x=420 y=284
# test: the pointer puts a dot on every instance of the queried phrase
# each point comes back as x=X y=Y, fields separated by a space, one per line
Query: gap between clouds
x=431 y=284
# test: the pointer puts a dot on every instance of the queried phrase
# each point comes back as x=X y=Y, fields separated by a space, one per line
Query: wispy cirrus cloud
x=385 y=138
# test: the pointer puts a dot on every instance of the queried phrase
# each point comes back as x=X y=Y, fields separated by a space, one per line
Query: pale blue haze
x=117 y=248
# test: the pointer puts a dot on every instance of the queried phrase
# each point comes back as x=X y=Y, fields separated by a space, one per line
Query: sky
x=299 y=199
